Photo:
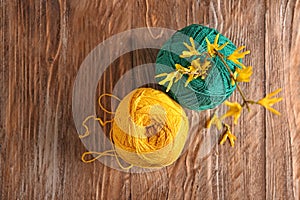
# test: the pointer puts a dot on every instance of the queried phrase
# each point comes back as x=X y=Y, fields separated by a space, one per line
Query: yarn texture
x=200 y=94
x=149 y=129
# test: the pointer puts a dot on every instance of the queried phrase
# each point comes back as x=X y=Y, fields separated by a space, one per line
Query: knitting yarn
x=200 y=94
x=149 y=129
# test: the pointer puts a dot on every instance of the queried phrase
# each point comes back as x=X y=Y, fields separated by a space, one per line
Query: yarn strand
x=102 y=107
x=103 y=123
x=87 y=133
x=111 y=152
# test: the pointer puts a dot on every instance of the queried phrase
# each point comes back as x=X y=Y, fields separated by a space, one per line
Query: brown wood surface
x=43 y=44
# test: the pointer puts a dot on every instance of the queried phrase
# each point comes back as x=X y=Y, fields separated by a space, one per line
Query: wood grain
x=43 y=44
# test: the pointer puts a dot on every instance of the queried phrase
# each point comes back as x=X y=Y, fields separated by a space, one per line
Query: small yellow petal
x=212 y=48
x=160 y=75
x=244 y=74
x=191 y=77
x=268 y=101
x=234 y=111
x=238 y=55
x=207 y=41
x=232 y=82
x=169 y=78
x=228 y=135
x=275 y=92
x=216 y=40
x=196 y=63
x=225 y=136
x=240 y=48
x=192 y=49
x=192 y=42
x=216 y=121
x=223 y=45
x=179 y=67
x=276 y=112
x=231 y=139
x=169 y=86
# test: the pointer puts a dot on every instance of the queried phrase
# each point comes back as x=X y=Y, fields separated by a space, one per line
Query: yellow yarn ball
x=149 y=129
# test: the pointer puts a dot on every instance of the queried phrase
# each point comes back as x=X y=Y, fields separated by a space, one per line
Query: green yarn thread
x=199 y=94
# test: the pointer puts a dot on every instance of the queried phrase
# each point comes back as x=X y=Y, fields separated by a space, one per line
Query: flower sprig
x=235 y=110
x=241 y=74
x=212 y=49
x=192 y=51
x=198 y=68
x=228 y=135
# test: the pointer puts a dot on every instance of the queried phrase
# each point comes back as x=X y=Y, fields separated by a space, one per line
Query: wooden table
x=43 y=44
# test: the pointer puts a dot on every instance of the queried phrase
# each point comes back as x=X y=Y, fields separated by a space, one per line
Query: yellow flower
x=212 y=48
x=242 y=75
x=192 y=50
x=184 y=70
x=181 y=69
x=192 y=75
x=196 y=70
x=201 y=68
x=228 y=135
x=169 y=78
x=234 y=111
x=267 y=102
x=233 y=78
x=196 y=63
x=238 y=55
x=215 y=120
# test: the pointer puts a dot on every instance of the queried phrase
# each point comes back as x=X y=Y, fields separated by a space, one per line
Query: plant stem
x=232 y=76
x=251 y=102
x=243 y=96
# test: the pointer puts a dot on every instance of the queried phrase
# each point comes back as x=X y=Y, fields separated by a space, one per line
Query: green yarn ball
x=199 y=94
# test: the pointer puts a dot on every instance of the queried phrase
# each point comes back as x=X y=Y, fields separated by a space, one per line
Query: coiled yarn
x=199 y=94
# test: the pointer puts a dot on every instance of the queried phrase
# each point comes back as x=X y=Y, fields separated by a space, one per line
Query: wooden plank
x=42 y=47
x=281 y=18
x=242 y=169
x=293 y=95
x=89 y=25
